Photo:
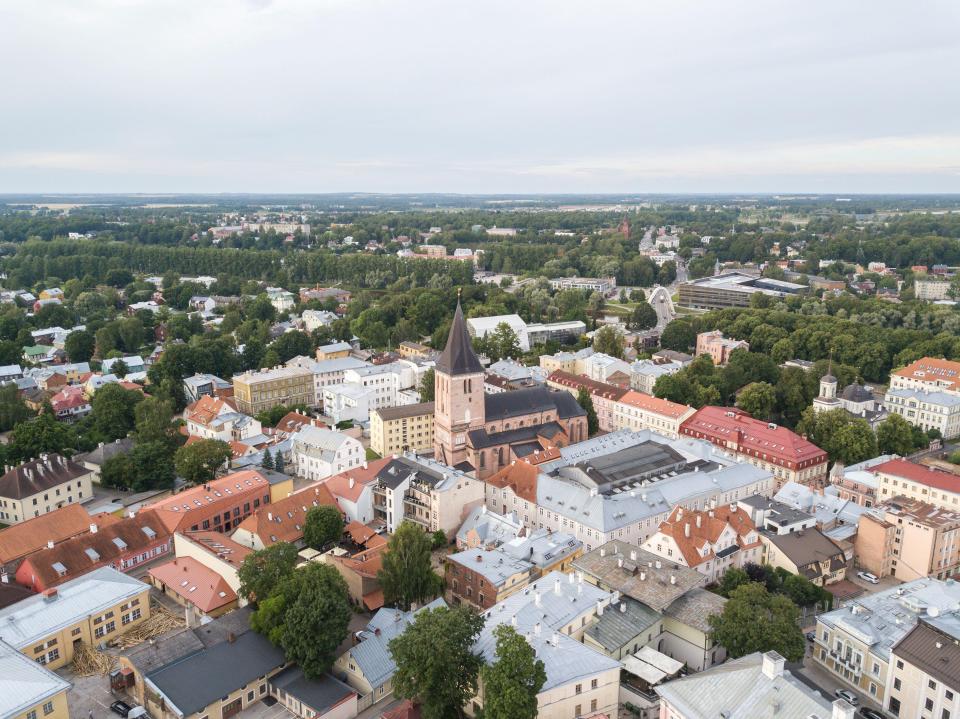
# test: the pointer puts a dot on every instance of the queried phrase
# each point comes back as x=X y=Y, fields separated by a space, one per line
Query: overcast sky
x=479 y=96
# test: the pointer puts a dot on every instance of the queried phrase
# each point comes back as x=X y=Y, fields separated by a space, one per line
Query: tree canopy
x=406 y=574
x=512 y=682
x=753 y=620
x=323 y=525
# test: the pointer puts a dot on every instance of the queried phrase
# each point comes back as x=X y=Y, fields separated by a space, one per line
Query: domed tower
x=827 y=399
x=458 y=394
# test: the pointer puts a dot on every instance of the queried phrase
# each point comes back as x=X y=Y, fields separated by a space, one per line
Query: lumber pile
x=161 y=621
x=89 y=661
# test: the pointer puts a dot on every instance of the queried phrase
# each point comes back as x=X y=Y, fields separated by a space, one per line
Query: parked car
x=121 y=708
x=811 y=636
x=868 y=577
x=847 y=696
x=871 y=714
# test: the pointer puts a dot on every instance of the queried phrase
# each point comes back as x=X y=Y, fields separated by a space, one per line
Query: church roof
x=857 y=393
x=458 y=356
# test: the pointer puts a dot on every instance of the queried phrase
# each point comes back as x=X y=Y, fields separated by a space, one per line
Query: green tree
x=406 y=574
x=439 y=539
x=323 y=525
x=13 y=410
x=199 y=461
x=427 y=386
x=679 y=336
x=42 y=435
x=503 y=343
x=844 y=438
x=153 y=419
x=435 y=661
x=586 y=402
x=112 y=414
x=644 y=317
x=119 y=471
x=119 y=368
x=317 y=619
x=732 y=579
x=263 y=571
x=608 y=341
x=291 y=344
x=267 y=462
x=80 y=346
x=758 y=400
x=512 y=682
x=895 y=436
x=753 y=620
x=153 y=465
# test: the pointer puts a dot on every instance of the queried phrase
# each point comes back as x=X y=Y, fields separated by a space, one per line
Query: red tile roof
x=196 y=583
x=705 y=530
x=194 y=504
x=932 y=370
x=220 y=545
x=340 y=485
x=595 y=388
x=207 y=408
x=726 y=425
x=918 y=473
x=283 y=520
x=521 y=477
x=655 y=404
x=20 y=540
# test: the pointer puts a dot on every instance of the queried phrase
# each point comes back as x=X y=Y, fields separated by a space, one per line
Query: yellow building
x=413 y=350
x=93 y=609
x=255 y=392
x=41 y=486
x=29 y=691
x=408 y=428
x=335 y=350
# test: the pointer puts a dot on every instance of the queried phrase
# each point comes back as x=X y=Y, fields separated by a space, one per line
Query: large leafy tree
x=608 y=341
x=406 y=575
x=678 y=335
x=12 y=408
x=428 y=386
x=512 y=682
x=844 y=438
x=113 y=412
x=80 y=346
x=198 y=462
x=261 y=572
x=758 y=399
x=42 y=435
x=644 y=317
x=436 y=664
x=119 y=471
x=153 y=466
x=586 y=402
x=895 y=436
x=753 y=620
x=154 y=422
x=324 y=524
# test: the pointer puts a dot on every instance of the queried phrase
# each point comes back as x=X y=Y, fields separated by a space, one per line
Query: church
x=856 y=399
x=482 y=433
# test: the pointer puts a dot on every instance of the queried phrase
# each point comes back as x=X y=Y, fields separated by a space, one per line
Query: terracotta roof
x=705 y=531
x=359 y=533
x=373 y=600
x=406 y=710
x=932 y=370
x=19 y=540
x=521 y=477
x=655 y=404
x=752 y=436
x=595 y=388
x=366 y=563
x=918 y=473
x=39 y=475
x=85 y=552
x=175 y=511
x=283 y=521
x=195 y=582
x=208 y=408
x=339 y=484
x=295 y=421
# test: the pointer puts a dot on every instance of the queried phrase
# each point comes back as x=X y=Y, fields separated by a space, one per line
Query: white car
x=868 y=577
x=847 y=695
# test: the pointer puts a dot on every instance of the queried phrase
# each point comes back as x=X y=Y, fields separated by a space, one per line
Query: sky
x=491 y=96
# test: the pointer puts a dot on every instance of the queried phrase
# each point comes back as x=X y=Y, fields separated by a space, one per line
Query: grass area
x=371 y=454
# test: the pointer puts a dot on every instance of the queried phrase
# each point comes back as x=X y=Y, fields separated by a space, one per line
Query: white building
x=645 y=373
x=319 y=453
x=326 y=373
x=315 y=319
x=347 y=401
x=281 y=299
x=480 y=327
x=926 y=410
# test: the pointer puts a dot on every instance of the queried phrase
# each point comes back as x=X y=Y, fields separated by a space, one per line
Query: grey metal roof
x=458 y=356
x=24 y=683
x=491 y=528
x=933 y=651
x=695 y=607
x=739 y=689
x=619 y=624
x=195 y=681
x=321 y=694
x=493 y=565
x=505 y=405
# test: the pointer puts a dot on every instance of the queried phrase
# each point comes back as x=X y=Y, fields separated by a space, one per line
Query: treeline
x=36 y=261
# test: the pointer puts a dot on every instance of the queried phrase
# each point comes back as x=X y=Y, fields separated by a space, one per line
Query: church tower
x=458 y=394
x=827 y=399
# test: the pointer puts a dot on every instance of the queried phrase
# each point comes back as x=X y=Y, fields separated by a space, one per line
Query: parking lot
x=90 y=695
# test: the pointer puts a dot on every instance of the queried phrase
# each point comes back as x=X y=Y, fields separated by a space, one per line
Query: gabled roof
x=195 y=583
x=24 y=683
x=458 y=356
x=208 y=408
x=78 y=555
x=175 y=511
x=918 y=473
x=696 y=532
x=521 y=477
x=20 y=540
x=39 y=475
x=283 y=520
x=341 y=486
x=523 y=402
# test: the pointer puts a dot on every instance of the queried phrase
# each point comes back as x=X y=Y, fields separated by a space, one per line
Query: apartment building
x=928 y=373
x=326 y=373
x=407 y=428
x=603 y=285
x=926 y=409
x=256 y=392
x=41 y=486
x=319 y=453
x=213 y=417
x=92 y=609
x=809 y=553
x=855 y=643
x=637 y=411
x=31 y=690
x=604 y=396
x=898 y=477
x=931 y=290
x=220 y=505
x=787 y=455
x=924 y=674
x=718 y=347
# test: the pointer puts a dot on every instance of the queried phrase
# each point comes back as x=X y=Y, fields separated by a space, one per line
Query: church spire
x=458 y=356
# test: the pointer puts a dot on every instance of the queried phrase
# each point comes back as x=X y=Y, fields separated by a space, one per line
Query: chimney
x=603 y=552
x=623 y=607
x=4 y=578
x=599 y=608
x=231 y=638
x=772 y=666
x=633 y=555
x=536 y=599
x=571 y=578
x=686 y=529
x=513 y=620
x=556 y=586
x=93 y=529
x=536 y=629
x=555 y=639
x=673 y=579
x=619 y=561
x=699 y=520
x=659 y=564
x=365 y=465
x=643 y=576
x=49 y=544
x=842 y=710
x=351 y=483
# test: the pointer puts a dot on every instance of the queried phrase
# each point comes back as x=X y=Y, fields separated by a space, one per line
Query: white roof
x=482 y=325
x=321 y=438
x=24 y=683
x=922 y=395
x=36 y=617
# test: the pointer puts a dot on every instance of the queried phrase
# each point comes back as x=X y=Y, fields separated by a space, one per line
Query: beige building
x=898 y=477
x=41 y=486
x=255 y=392
x=931 y=290
x=924 y=677
x=809 y=553
x=637 y=411
x=92 y=609
x=718 y=347
x=926 y=540
x=39 y=692
x=874 y=544
x=407 y=428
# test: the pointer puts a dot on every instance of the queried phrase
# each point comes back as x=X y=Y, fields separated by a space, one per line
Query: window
x=932 y=684
x=897 y=684
x=250 y=696
x=32 y=714
x=593 y=683
x=579 y=689
x=136 y=614
x=98 y=632
x=593 y=705
x=928 y=705
x=48 y=708
x=53 y=655
x=111 y=626
x=578 y=710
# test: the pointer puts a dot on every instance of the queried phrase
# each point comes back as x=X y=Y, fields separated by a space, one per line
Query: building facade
x=41 y=486
x=256 y=392
x=407 y=428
